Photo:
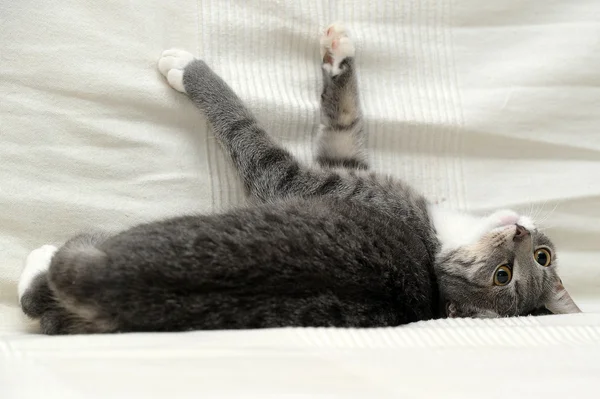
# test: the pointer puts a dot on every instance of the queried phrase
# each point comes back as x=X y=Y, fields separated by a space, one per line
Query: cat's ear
x=559 y=301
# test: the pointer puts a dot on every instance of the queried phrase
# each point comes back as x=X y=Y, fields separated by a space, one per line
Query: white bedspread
x=481 y=104
x=544 y=357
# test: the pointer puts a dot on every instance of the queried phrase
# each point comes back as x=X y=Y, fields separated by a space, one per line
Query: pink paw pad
x=335 y=47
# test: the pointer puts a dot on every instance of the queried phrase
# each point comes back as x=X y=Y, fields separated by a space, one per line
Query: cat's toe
x=336 y=29
x=332 y=34
x=172 y=63
x=37 y=262
x=336 y=46
x=174 y=59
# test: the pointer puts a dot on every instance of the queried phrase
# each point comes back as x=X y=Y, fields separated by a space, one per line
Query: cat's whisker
x=530 y=212
x=535 y=208
x=550 y=213
x=547 y=228
x=539 y=210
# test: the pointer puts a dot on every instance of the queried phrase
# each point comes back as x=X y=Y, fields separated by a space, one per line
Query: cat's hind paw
x=336 y=46
x=171 y=64
x=37 y=262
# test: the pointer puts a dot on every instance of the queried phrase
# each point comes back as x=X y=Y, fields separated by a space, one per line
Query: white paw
x=38 y=261
x=335 y=47
x=171 y=64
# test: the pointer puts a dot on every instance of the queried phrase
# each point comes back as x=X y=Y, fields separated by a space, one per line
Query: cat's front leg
x=341 y=136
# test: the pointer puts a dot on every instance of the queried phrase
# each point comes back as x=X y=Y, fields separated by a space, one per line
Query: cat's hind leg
x=341 y=134
x=35 y=296
x=46 y=284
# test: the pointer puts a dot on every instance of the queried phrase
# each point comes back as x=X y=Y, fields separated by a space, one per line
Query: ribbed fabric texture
x=545 y=357
x=407 y=80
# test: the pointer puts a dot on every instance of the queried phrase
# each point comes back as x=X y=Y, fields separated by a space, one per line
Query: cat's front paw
x=336 y=46
x=171 y=64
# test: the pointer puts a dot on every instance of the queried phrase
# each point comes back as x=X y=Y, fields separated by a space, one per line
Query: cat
x=330 y=245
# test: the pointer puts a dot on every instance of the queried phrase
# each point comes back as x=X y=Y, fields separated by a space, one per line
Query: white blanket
x=544 y=357
x=480 y=104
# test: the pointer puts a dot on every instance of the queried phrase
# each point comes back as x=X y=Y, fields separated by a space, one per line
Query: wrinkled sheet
x=481 y=105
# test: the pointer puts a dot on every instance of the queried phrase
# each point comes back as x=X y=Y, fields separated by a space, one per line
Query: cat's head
x=510 y=270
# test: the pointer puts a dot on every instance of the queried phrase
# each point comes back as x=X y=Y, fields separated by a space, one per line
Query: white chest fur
x=455 y=229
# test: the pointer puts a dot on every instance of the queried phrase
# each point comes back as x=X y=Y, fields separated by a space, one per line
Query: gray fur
x=279 y=264
x=341 y=115
x=329 y=245
x=466 y=274
x=268 y=171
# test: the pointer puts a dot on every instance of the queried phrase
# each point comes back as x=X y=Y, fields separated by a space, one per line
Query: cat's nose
x=520 y=233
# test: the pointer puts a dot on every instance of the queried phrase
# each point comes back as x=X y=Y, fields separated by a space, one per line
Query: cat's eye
x=542 y=256
x=502 y=275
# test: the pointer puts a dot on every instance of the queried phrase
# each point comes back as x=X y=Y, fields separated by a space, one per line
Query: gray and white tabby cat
x=329 y=245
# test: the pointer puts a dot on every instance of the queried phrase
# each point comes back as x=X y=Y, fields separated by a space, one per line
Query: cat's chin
x=454 y=312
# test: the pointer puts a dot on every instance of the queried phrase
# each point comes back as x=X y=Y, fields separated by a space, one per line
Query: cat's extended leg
x=266 y=169
x=341 y=136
